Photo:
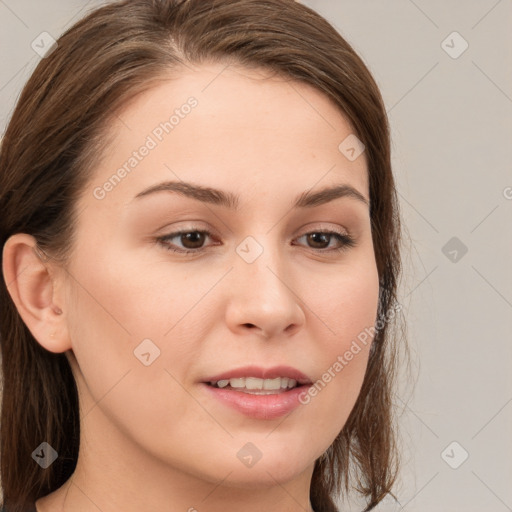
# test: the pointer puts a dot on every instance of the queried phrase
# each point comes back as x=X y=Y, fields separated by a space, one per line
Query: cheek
x=113 y=311
x=345 y=302
x=126 y=313
x=347 y=308
x=140 y=295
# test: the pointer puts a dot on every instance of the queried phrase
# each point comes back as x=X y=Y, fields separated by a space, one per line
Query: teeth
x=237 y=383
x=273 y=383
x=255 y=383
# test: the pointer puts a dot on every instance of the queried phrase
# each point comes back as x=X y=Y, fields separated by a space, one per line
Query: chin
x=261 y=479
x=269 y=472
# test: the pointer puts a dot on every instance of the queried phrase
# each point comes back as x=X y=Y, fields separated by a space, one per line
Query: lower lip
x=261 y=407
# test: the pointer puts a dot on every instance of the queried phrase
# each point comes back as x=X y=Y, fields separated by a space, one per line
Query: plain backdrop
x=445 y=72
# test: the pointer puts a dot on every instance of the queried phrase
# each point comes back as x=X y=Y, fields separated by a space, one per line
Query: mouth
x=257 y=398
x=258 y=386
x=257 y=392
x=259 y=380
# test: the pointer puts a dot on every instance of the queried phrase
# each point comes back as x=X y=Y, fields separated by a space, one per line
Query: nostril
x=252 y=326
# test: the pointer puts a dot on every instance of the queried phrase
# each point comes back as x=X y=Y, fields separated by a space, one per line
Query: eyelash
x=346 y=240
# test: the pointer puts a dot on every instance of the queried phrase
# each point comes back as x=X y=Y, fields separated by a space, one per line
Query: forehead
x=226 y=126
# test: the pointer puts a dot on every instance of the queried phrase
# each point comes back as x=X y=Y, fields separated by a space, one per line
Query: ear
x=31 y=281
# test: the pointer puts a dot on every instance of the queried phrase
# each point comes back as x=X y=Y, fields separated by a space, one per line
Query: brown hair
x=50 y=149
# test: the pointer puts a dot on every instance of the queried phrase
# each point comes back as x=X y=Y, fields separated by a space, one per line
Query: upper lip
x=262 y=373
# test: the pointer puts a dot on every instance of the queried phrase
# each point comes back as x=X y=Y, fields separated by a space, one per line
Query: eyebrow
x=307 y=199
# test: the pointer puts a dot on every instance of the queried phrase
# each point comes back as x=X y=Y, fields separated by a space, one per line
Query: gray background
x=451 y=124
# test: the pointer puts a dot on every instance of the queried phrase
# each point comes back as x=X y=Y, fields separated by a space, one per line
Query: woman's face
x=150 y=325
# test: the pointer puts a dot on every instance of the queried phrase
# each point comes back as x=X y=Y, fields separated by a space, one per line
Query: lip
x=262 y=373
x=261 y=407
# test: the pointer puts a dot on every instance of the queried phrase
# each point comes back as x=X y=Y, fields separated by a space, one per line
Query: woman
x=200 y=257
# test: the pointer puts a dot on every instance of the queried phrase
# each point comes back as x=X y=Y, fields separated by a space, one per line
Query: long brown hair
x=49 y=151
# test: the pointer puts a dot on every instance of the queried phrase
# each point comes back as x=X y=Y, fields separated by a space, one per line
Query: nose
x=264 y=299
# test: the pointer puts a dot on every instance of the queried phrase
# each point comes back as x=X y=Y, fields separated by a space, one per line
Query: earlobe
x=32 y=288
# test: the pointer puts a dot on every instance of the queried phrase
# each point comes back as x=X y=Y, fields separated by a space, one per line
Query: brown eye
x=320 y=240
x=191 y=241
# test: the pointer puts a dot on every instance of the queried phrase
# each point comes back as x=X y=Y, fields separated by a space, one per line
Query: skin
x=150 y=435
